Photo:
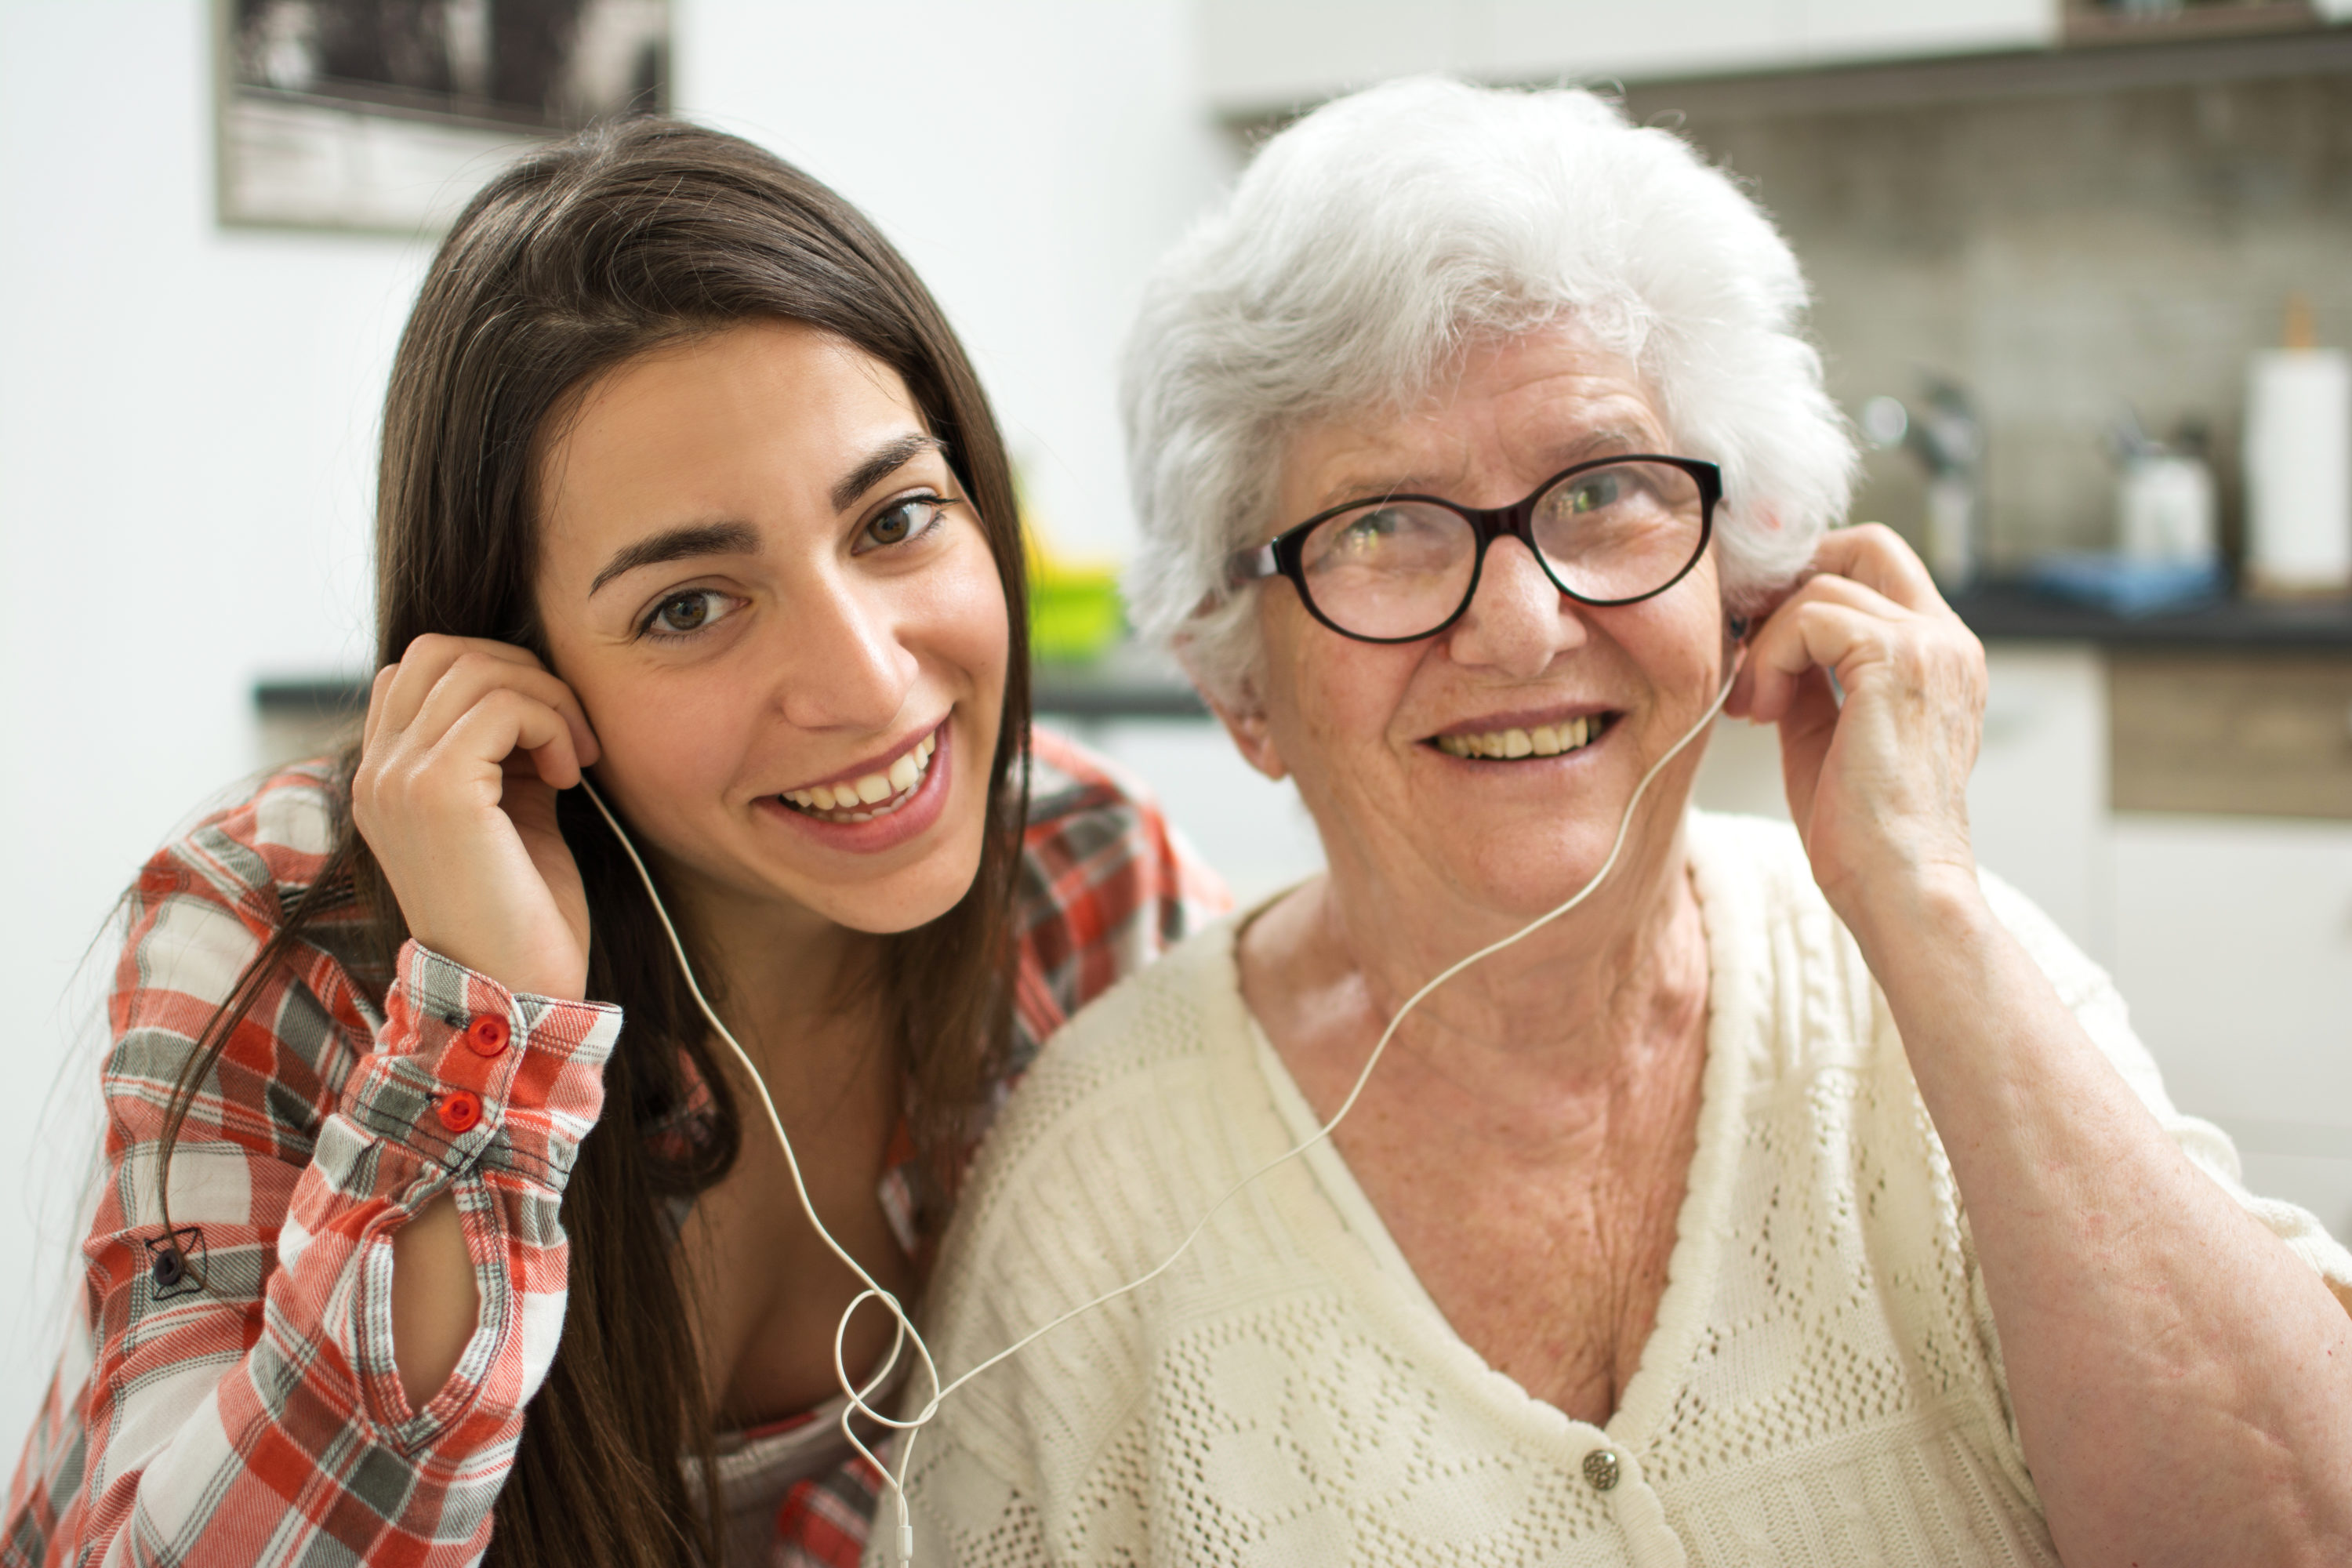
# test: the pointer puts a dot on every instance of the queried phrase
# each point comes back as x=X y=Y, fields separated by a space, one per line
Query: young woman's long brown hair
x=572 y=261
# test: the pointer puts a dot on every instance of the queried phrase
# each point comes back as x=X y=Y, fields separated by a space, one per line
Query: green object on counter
x=1075 y=614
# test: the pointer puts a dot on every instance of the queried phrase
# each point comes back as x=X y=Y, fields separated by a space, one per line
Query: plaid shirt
x=257 y=1418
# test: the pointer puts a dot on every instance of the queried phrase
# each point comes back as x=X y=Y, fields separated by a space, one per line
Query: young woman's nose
x=847 y=667
x=1517 y=622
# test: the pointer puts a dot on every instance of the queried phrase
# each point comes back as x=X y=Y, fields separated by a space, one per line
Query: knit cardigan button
x=1601 y=1468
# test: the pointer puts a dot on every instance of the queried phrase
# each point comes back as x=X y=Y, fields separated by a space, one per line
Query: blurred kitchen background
x=2084 y=276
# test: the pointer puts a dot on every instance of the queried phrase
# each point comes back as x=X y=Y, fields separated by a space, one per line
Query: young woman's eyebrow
x=879 y=465
x=678 y=544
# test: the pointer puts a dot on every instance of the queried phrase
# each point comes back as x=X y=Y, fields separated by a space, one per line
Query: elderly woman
x=1800 y=1197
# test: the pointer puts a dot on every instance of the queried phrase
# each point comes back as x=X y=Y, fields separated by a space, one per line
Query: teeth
x=872 y=789
x=1542 y=740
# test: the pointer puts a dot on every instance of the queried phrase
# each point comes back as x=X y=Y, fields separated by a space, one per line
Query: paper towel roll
x=2299 y=472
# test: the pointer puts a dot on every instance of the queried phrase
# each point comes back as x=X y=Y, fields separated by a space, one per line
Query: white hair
x=1368 y=242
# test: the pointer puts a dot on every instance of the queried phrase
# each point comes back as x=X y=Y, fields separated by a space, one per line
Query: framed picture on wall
x=388 y=115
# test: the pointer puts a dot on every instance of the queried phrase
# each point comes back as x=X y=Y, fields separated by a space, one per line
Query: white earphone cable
x=905 y=1331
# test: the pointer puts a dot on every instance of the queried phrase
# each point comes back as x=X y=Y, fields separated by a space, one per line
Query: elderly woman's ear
x=1243 y=713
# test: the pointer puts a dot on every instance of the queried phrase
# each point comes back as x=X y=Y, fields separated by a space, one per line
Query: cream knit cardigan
x=1823 y=1384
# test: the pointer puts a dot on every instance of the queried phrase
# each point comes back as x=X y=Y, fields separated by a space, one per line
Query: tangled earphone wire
x=904 y=1332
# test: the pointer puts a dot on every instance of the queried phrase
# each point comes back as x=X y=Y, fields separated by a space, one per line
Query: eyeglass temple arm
x=1246 y=566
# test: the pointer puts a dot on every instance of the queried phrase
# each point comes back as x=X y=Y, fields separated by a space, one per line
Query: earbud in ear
x=1738 y=626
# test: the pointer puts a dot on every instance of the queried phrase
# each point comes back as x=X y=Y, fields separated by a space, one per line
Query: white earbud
x=905 y=1332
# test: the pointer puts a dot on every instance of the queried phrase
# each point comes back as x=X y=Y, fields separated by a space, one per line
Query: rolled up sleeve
x=234 y=1396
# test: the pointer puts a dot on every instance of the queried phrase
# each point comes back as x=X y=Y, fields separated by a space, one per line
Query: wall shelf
x=2093 y=26
x=2150 y=56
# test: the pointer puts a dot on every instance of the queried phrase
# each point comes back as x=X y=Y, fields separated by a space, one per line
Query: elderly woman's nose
x=1517 y=621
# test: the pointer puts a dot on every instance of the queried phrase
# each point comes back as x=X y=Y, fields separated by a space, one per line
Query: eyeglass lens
x=1403 y=568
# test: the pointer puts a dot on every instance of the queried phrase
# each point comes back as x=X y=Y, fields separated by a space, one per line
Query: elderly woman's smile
x=1487 y=766
x=1526 y=736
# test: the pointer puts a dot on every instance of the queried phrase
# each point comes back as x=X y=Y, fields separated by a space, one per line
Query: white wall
x=1031 y=158
x=186 y=423
x=187 y=415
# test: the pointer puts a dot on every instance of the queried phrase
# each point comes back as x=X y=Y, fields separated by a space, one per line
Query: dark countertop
x=1123 y=686
x=1128 y=682
x=1134 y=684
x=2003 y=612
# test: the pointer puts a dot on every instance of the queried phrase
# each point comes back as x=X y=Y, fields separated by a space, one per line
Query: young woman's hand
x=1877 y=783
x=466 y=743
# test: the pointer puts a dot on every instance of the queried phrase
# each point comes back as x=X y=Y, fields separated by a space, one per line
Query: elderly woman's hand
x=1878 y=783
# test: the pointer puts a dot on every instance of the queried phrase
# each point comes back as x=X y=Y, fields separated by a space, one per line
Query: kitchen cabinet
x=2248 y=733
x=1541 y=39
x=1839 y=31
x=2037 y=801
x=1263 y=56
x=2232 y=943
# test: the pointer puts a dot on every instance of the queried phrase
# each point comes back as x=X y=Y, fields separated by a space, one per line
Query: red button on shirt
x=459 y=1110
x=488 y=1035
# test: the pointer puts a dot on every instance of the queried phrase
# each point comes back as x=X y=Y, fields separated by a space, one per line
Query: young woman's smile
x=877 y=805
x=764 y=581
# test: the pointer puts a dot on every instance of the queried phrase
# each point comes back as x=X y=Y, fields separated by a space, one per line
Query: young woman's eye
x=902 y=521
x=683 y=614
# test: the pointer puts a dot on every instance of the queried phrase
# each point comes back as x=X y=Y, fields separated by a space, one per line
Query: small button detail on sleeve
x=488 y=1035
x=176 y=1262
x=1601 y=1468
x=461 y=1108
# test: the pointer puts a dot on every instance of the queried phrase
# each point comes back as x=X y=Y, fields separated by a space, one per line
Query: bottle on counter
x=2165 y=505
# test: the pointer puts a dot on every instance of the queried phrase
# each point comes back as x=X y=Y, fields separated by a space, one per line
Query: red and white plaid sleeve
x=244 y=1407
x=1107 y=886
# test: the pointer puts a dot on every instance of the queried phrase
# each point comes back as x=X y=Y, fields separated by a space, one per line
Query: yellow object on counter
x=1076 y=613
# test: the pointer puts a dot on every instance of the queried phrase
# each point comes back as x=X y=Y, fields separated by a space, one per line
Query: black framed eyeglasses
x=1399 y=568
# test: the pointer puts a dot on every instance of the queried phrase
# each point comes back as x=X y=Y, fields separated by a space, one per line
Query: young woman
x=431 y=1223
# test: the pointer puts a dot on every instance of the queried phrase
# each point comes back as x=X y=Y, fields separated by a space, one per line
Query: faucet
x=1943 y=431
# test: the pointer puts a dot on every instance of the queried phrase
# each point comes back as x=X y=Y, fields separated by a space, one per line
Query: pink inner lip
x=881 y=766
